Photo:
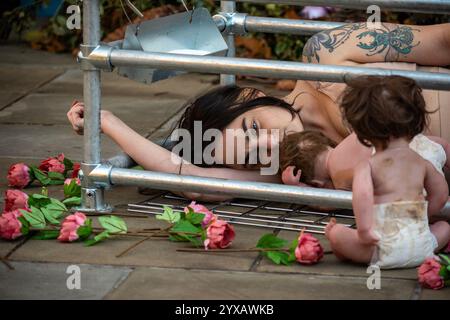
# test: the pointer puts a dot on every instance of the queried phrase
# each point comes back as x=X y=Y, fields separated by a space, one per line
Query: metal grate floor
x=263 y=214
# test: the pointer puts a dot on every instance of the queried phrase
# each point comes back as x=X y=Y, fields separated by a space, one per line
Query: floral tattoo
x=391 y=43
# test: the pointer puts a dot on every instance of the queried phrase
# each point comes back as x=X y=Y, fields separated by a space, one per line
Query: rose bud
x=10 y=226
x=52 y=165
x=69 y=181
x=428 y=274
x=70 y=227
x=76 y=169
x=15 y=199
x=309 y=250
x=220 y=234
x=198 y=208
x=19 y=175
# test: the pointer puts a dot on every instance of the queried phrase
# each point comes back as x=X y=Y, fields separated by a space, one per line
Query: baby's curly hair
x=301 y=149
x=379 y=108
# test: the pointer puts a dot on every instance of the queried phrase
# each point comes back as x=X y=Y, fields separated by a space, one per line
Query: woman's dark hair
x=220 y=106
x=379 y=108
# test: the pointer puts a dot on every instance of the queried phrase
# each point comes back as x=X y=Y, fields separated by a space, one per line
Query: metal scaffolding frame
x=95 y=57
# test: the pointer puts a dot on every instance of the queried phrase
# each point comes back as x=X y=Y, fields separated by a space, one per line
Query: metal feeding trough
x=193 y=33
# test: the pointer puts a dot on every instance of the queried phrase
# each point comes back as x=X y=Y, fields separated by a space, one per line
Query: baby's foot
x=329 y=227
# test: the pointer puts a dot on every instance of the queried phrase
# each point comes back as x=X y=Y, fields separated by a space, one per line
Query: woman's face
x=260 y=128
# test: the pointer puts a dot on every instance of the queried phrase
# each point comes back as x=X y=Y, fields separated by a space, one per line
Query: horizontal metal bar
x=259 y=67
x=424 y=6
x=288 y=26
x=241 y=189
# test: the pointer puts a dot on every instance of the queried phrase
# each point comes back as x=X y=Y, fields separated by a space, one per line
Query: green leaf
x=85 y=230
x=72 y=201
x=56 y=176
x=292 y=247
x=55 y=182
x=50 y=216
x=195 y=218
x=113 y=224
x=177 y=238
x=25 y=226
x=445 y=259
x=184 y=226
x=58 y=204
x=36 y=218
x=68 y=164
x=169 y=215
x=72 y=189
x=278 y=257
x=271 y=241
x=40 y=176
x=38 y=200
x=46 y=235
x=443 y=272
x=100 y=237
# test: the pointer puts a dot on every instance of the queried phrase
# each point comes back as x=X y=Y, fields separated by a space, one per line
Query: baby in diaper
x=389 y=203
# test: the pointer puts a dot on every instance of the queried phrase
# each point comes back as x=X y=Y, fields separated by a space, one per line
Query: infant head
x=382 y=108
x=301 y=150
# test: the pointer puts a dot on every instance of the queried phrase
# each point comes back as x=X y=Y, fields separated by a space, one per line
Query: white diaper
x=405 y=237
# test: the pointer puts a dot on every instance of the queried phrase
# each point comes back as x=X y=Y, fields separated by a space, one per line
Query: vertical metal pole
x=228 y=7
x=91 y=195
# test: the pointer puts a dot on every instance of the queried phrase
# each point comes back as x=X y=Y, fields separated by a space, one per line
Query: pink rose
x=19 y=175
x=70 y=226
x=15 y=199
x=309 y=250
x=76 y=169
x=52 y=165
x=428 y=274
x=312 y=12
x=69 y=181
x=198 y=208
x=10 y=226
x=220 y=234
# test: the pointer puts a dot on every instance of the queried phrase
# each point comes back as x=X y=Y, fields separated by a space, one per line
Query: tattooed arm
x=357 y=43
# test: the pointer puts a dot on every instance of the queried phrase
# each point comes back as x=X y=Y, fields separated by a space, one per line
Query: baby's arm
x=437 y=189
x=363 y=202
x=446 y=145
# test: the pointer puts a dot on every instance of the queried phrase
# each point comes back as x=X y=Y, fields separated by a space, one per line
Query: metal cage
x=95 y=57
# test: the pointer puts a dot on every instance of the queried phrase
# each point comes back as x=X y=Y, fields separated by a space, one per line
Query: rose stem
x=157 y=233
x=10 y=267
x=232 y=250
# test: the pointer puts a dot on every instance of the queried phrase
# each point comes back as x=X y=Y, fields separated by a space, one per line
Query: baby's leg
x=345 y=243
x=441 y=231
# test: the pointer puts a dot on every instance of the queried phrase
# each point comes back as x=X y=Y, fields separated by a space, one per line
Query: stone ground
x=36 y=91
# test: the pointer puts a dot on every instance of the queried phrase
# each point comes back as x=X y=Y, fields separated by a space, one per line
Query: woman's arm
x=154 y=157
x=357 y=43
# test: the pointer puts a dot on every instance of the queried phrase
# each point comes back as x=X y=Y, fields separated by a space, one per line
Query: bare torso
x=398 y=174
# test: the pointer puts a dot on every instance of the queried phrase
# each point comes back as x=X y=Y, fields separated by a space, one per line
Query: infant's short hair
x=380 y=108
x=301 y=149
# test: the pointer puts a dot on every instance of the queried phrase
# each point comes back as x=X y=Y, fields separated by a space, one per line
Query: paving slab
x=143 y=114
x=158 y=283
x=17 y=81
x=442 y=294
x=50 y=281
x=42 y=141
x=330 y=265
x=71 y=82
x=18 y=54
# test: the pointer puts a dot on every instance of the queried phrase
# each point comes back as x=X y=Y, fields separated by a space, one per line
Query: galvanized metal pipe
x=241 y=189
x=91 y=87
x=262 y=68
x=422 y=6
x=288 y=26
x=228 y=7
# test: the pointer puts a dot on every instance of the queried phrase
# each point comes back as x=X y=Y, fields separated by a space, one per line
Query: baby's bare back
x=398 y=175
